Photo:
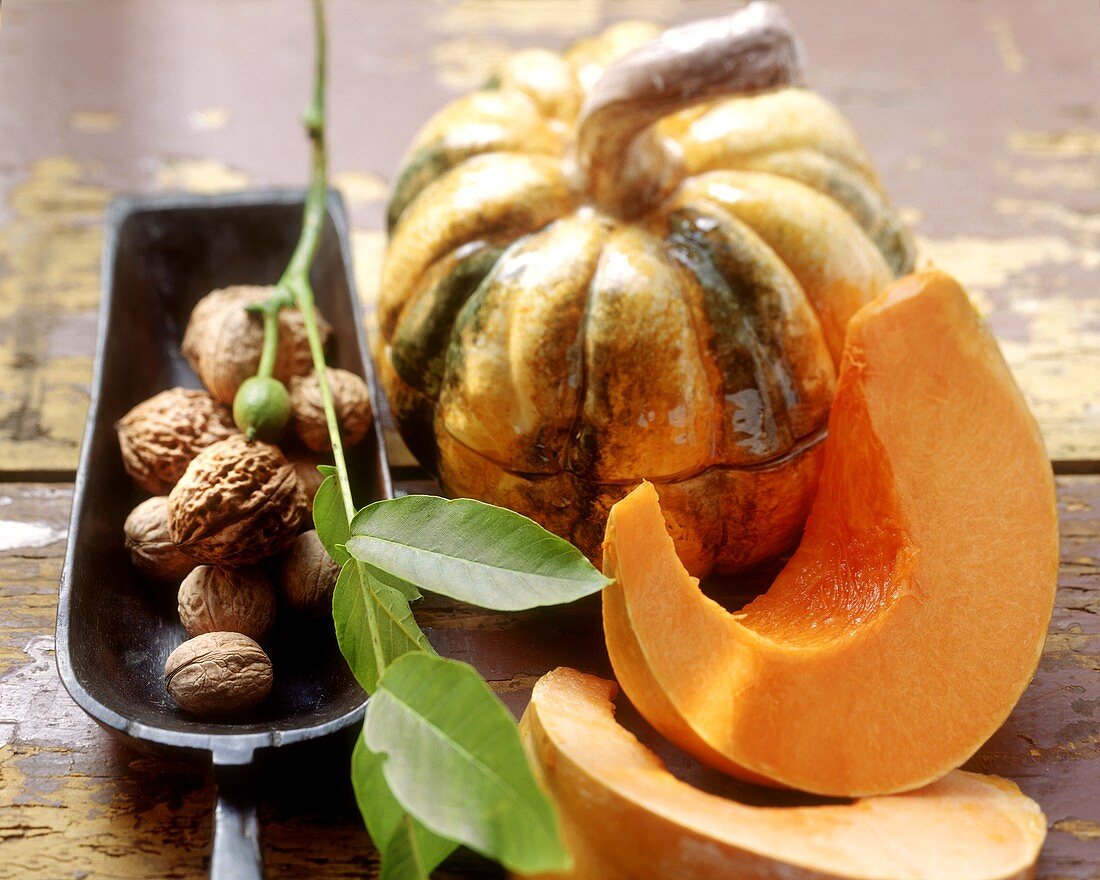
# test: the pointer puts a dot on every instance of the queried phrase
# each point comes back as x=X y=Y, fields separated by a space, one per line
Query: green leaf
x=409 y=591
x=415 y=852
x=409 y=850
x=454 y=761
x=471 y=551
x=329 y=470
x=330 y=519
x=398 y=632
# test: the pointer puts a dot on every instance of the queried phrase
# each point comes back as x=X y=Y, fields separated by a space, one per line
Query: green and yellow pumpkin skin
x=546 y=350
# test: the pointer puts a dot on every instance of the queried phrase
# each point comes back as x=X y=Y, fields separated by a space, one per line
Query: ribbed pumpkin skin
x=541 y=354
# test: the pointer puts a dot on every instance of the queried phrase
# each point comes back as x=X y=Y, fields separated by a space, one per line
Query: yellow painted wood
x=49 y=287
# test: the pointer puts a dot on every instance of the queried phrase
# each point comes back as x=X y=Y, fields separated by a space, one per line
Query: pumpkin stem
x=623 y=165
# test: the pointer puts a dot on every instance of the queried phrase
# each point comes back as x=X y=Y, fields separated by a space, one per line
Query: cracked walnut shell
x=351 y=398
x=223 y=342
x=159 y=437
x=307 y=574
x=216 y=599
x=237 y=503
x=218 y=673
x=150 y=548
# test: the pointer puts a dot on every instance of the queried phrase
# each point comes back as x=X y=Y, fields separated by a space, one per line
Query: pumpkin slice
x=910 y=619
x=624 y=815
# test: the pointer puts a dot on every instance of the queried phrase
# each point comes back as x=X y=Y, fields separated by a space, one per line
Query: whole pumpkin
x=634 y=260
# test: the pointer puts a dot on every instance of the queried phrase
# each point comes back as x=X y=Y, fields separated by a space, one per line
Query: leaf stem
x=414 y=847
x=296 y=284
x=296 y=277
x=271 y=341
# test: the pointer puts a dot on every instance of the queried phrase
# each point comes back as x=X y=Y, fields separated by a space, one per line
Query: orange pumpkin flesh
x=624 y=815
x=911 y=617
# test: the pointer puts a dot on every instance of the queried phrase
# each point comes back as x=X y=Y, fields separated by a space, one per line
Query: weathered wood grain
x=1051 y=744
x=983 y=118
x=74 y=803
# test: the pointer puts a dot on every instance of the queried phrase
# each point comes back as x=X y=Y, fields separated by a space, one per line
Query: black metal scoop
x=114 y=628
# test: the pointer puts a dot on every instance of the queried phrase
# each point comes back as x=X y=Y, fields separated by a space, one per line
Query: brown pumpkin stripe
x=837 y=265
x=487 y=196
x=723 y=518
x=412 y=409
x=728 y=518
x=519 y=410
x=484 y=122
x=848 y=188
x=551 y=499
x=647 y=402
x=424 y=330
x=775 y=376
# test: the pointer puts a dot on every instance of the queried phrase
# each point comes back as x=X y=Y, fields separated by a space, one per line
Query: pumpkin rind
x=910 y=618
x=623 y=814
x=483 y=122
x=862 y=200
x=545 y=354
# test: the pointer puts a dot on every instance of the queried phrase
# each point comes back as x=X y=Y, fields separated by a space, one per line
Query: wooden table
x=985 y=121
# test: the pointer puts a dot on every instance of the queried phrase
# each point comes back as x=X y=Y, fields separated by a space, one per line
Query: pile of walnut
x=230 y=519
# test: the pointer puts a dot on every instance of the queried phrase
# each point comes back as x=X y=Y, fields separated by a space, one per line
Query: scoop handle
x=236 y=853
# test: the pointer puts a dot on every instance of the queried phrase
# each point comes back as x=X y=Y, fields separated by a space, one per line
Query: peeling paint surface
x=1082 y=829
x=94 y=120
x=361 y=187
x=209 y=118
x=14 y=534
x=203 y=176
x=986 y=264
x=1001 y=29
x=49 y=272
x=1069 y=144
x=994 y=154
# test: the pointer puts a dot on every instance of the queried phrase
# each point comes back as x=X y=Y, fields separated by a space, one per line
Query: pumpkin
x=910 y=619
x=623 y=815
x=634 y=260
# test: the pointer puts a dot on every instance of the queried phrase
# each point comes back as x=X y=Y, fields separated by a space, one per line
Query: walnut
x=353 y=410
x=151 y=550
x=223 y=341
x=215 y=599
x=307 y=574
x=160 y=436
x=218 y=673
x=237 y=503
x=305 y=466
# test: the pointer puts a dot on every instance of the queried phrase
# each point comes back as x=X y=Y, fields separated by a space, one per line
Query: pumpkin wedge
x=624 y=815
x=912 y=615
